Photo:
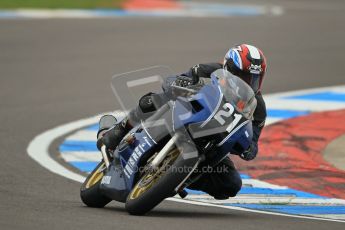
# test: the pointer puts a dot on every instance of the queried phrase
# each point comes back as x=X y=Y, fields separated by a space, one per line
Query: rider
x=246 y=62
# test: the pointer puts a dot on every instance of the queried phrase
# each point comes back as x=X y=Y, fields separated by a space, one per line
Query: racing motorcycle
x=162 y=155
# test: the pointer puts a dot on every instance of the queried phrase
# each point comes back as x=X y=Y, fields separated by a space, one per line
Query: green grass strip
x=65 y=4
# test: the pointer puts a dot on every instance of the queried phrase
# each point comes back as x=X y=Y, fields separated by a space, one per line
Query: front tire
x=142 y=199
x=90 y=192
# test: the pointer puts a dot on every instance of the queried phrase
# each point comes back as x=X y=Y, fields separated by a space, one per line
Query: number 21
x=222 y=113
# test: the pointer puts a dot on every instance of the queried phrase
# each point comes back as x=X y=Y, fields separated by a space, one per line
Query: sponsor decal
x=147 y=141
x=255 y=69
x=131 y=166
x=106 y=180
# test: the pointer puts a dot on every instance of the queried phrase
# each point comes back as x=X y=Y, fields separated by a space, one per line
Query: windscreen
x=236 y=92
x=131 y=86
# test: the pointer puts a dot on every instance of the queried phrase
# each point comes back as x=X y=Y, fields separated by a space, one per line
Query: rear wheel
x=154 y=186
x=90 y=192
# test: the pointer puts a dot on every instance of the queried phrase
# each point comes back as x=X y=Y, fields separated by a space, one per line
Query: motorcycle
x=163 y=155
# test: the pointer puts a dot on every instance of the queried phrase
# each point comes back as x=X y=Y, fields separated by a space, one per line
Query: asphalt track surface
x=58 y=70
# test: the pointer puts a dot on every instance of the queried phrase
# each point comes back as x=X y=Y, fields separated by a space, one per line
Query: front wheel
x=90 y=192
x=153 y=187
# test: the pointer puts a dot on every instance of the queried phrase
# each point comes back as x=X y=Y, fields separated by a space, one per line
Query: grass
x=56 y=4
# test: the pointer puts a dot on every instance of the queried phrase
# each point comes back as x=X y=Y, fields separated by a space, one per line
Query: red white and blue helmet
x=248 y=63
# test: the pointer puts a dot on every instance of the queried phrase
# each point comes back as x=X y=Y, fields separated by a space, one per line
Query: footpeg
x=183 y=193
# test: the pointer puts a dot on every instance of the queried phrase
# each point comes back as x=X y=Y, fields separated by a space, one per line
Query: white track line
x=271 y=120
x=262 y=199
x=38 y=150
x=303 y=105
x=83 y=135
x=81 y=156
x=261 y=184
x=253 y=211
x=338 y=88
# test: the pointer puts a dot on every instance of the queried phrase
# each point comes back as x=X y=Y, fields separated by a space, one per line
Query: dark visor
x=253 y=80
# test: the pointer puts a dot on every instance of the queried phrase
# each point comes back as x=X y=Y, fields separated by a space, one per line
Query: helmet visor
x=253 y=80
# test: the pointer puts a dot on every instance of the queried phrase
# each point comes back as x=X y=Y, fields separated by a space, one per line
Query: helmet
x=248 y=63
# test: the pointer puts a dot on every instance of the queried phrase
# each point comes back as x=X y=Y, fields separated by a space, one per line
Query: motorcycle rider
x=244 y=61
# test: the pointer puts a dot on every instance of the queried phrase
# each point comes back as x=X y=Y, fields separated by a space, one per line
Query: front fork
x=105 y=156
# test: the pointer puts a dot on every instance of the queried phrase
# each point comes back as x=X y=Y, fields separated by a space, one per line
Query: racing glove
x=250 y=153
x=183 y=81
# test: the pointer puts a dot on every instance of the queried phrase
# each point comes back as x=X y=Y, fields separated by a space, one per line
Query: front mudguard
x=113 y=184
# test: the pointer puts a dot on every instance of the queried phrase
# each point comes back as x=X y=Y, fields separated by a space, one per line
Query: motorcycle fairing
x=197 y=108
x=122 y=171
x=201 y=123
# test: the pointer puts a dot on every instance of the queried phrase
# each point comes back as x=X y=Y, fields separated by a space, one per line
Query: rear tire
x=90 y=192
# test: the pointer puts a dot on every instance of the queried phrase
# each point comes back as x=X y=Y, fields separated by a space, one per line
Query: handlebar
x=183 y=91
